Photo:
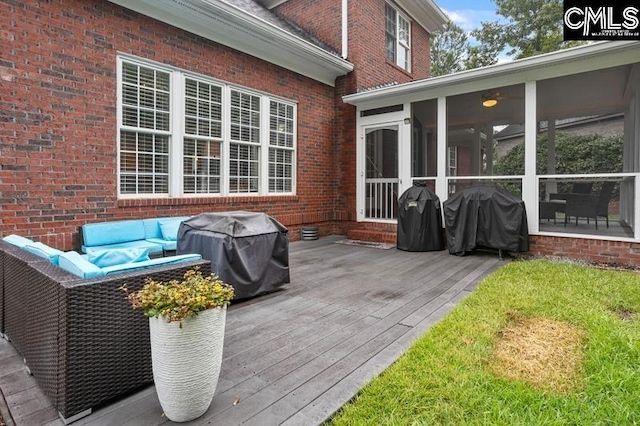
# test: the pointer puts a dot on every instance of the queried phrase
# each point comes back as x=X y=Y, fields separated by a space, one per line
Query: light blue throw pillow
x=104 y=258
x=17 y=240
x=43 y=250
x=169 y=228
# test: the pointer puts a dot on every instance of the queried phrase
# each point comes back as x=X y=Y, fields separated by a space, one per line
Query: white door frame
x=399 y=119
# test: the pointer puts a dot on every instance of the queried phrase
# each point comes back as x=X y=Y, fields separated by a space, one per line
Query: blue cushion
x=103 y=258
x=169 y=227
x=153 y=248
x=73 y=262
x=17 y=240
x=120 y=231
x=43 y=250
x=159 y=261
x=166 y=245
x=151 y=228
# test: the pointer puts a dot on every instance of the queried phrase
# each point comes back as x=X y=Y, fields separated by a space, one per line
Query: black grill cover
x=248 y=250
x=485 y=217
x=419 y=220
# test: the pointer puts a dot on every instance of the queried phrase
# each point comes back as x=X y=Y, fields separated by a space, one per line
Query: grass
x=538 y=343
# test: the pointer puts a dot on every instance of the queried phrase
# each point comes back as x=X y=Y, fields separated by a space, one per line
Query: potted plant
x=186 y=325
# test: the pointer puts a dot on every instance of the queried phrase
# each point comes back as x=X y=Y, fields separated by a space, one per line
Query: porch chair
x=590 y=206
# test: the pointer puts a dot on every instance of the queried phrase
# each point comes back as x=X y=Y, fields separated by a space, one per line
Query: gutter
x=542 y=65
x=228 y=25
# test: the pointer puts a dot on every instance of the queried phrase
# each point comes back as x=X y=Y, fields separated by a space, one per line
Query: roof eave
x=226 y=24
x=426 y=13
x=554 y=64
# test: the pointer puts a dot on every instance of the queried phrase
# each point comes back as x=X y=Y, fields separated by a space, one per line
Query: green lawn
x=451 y=376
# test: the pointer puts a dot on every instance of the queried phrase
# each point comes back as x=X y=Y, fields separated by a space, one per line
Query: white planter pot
x=186 y=362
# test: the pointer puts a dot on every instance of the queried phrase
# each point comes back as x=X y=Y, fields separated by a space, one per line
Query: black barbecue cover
x=485 y=217
x=419 y=220
x=248 y=250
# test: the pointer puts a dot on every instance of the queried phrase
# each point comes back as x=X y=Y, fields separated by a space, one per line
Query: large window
x=398 y=43
x=185 y=135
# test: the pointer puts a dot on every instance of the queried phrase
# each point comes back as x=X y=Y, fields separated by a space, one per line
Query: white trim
x=345 y=29
x=563 y=62
x=529 y=182
x=400 y=15
x=442 y=189
x=395 y=121
x=176 y=133
x=231 y=26
x=426 y=13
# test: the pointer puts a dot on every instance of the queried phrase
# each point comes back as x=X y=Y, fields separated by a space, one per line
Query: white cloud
x=470 y=19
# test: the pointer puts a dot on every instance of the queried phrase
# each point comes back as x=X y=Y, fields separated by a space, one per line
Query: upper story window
x=398 y=42
x=183 y=135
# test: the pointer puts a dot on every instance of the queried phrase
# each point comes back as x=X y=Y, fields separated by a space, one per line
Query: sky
x=469 y=14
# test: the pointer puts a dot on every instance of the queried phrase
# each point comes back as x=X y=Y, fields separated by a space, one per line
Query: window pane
x=145 y=92
x=203 y=109
x=280 y=170
x=245 y=117
x=201 y=164
x=281 y=125
x=244 y=168
x=144 y=163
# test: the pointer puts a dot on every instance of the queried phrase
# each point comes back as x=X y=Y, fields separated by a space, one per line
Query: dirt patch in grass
x=543 y=352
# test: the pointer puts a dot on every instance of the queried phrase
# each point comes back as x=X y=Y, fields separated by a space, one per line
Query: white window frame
x=452 y=161
x=401 y=43
x=177 y=133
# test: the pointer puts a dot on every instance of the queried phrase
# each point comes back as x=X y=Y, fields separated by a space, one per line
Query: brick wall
x=321 y=18
x=601 y=251
x=367 y=47
x=58 y=119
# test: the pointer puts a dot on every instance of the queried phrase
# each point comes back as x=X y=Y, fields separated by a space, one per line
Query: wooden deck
x=295 y=356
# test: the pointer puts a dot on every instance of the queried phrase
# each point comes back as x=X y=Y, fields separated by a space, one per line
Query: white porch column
x=441 y=179
x=529 y=187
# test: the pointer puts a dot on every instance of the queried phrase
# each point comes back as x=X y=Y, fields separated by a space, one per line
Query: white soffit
x=426 y=13
x=556 y=64
x=226 y=24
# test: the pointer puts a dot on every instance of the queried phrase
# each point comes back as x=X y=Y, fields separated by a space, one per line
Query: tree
x=532 y=27
x=449 y=50
x=575 y=154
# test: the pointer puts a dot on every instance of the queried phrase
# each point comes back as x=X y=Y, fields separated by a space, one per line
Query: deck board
x=295 y=356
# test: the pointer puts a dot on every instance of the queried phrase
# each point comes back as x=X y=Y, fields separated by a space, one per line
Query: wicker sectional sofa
x=80 y=338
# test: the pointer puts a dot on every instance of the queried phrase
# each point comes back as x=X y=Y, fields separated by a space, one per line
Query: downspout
x=345 y=29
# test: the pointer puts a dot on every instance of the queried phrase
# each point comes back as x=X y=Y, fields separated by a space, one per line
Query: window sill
x=191 y=201
x=402 y=70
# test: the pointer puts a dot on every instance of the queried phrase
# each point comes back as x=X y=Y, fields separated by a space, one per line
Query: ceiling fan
x=491 y=98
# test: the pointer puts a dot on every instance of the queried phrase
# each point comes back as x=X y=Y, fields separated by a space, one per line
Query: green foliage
x=529 y=27
x=575 y=154
x=532 y=27
x=446 y=378
x=448 y=50
x=176 y=300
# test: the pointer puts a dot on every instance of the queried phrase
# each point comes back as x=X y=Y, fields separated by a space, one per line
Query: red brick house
x=313 y=111
x=131 y=109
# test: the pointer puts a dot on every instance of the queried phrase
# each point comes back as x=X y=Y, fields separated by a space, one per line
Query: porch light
x=489 y=102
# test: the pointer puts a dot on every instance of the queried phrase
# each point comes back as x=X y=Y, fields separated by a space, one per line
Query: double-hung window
x=398 y=42
x=182 y=135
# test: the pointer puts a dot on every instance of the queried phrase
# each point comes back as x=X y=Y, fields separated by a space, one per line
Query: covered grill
x=485 y=217
x=248 y=250
x=419 y=220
